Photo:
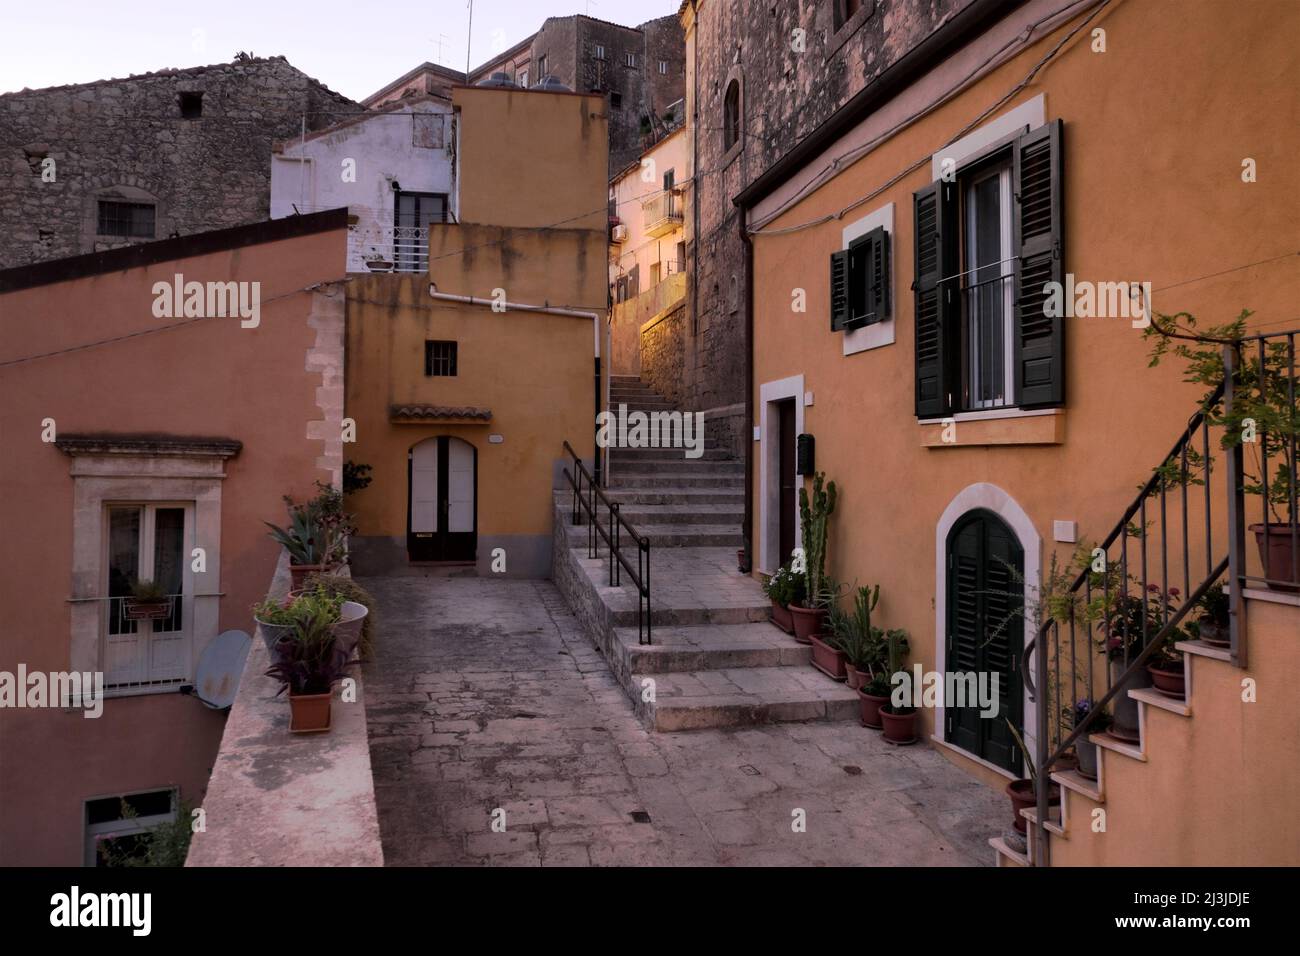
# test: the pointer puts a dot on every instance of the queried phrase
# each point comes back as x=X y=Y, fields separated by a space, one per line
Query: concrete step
x=709 y=647
x=633 y=457
x=671 y=535
x=681 y=477
x=678 y=496
x=645 y=514
x=738 y=697
x=648 y=467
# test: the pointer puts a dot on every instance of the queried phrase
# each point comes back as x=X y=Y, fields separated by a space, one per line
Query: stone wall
x=663 y=358
x=785 y=95
x=127 y=140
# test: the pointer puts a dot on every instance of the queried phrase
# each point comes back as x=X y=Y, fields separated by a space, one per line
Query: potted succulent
x=1212 y=626
x=1085 y=751
x=1264 y=420
x=148 y=601
x=898 y=715
x=815 y=511
x=316 y=535
x=356 y=626
x=827 y=656
x=783 y=588
x=1023 y=793
x=856 y=637
x=307 y=664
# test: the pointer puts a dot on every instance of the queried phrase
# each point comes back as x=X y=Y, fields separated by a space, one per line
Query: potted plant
x=1166 y=669
x=316 y=535
x=898 y=715
x=307 y=664
x=276 y=620
x=1264 y=420
x=1128 y=622
x=1024 y=792
x=815 y=511
x=148 y=601
x=856 y=637
x=783 y=588
x=355 y=627
x=1085 y=751
x=1212 y=626
x=827 y=655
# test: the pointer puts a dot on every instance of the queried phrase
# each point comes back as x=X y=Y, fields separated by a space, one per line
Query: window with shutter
x=1038 y=237
x=860 y=282
x=935 y=259
x=839 y=290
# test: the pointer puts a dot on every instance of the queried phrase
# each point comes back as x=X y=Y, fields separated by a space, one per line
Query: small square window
x=629 y=59
x=191 y=105
x=600 y=52
x=439 y=358
x=133 y=220
x=663 y=67
x=616 y=100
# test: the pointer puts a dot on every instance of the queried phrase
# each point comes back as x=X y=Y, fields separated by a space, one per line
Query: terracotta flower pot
x=147 y=609
x=899 y=728
x=856 y=679
x=298 y=574
x=1274 y=541
x=869 y=709
x=829 y=660
x=1169 y=679
x=309 y=713
x=781 y=617
x=807 y=622
x=1022 y=796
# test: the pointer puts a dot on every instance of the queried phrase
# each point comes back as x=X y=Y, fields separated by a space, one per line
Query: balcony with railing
x=388 y=249
x=662 y=214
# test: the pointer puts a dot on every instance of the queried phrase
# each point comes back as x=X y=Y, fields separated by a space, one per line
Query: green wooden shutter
x=878 y=277
x=965 y=584
x=1038 y=238
x=935 y=261
x=839 y=290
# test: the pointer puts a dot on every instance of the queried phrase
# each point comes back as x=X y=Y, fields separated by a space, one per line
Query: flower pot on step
x=1124 y=707
x=1022 y=796
x=347 y=632
x=309 y=713
x=869 y=709
x=1169 y=679
x=1086 y=752
x=829 y=660
x=900 y=727
x=1211 y=632
x=781 y=617
x=856 y=679
x=807 y=622
x=1275 y=555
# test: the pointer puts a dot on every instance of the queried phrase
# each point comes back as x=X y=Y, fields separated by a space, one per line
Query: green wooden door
x=985 y=634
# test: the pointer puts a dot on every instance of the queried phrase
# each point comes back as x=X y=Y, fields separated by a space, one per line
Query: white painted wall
x=383 y=146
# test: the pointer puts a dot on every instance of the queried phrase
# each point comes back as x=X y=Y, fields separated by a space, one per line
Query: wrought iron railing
x=611 y=533
x=1182 y=527
x=388 y=249
x=987 y=308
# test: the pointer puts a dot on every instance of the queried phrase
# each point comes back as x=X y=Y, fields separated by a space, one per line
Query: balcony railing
x=388 y=249
x=662 y=214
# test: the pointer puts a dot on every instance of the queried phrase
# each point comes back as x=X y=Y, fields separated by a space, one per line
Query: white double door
x=442 y=515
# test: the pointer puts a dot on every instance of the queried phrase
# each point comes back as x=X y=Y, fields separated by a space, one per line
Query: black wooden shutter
x=1038 y=239
x=839 y=290
x=965 y=615
x=935 y=260
x=878 y=277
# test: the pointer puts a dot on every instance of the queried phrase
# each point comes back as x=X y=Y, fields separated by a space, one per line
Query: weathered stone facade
x=785 y=93
x=194 y=144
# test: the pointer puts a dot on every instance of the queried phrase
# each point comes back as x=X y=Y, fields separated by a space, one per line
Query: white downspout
x=548 y=310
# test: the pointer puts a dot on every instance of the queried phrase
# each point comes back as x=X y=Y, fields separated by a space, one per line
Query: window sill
x=1012 y=426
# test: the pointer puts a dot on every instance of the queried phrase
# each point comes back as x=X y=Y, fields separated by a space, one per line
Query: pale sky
x=352 y=46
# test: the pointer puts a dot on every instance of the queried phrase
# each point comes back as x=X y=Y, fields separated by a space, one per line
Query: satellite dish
x=220 y=665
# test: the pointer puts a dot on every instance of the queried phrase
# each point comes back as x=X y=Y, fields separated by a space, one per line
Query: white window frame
x=1006 y=268
x=629 y=59
x=600 y=52
x=663 y=67
x=146 y=681
x=121 y=827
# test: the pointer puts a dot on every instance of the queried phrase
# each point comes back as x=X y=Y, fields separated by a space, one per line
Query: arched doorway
x=442 y=500
x=984 y=633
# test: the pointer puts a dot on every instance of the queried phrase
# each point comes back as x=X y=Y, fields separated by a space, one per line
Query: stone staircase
x=715 y=660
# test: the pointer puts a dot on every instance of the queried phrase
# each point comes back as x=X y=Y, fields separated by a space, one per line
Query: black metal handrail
x=612 y=534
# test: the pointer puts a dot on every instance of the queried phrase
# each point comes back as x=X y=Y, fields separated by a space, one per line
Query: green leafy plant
x=815 y=511
x=1215 y=604
x=1265 y=414
x=166 y=844
x=355 y=477
x=1077 y=714
x=785 y=586
x=346 y=589
x=854 y=633
x=149 y=591
x=896 y=648
x=318 y=529
x=309 y=661
x=1024 y=752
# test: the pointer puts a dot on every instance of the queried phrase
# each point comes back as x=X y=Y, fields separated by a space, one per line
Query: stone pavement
x=485 y=694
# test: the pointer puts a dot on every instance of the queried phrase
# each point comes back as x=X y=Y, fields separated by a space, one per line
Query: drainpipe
x=548 y=310
x=747 y=529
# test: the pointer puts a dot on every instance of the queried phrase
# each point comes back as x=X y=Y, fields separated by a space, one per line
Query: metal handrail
x=612 y=534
